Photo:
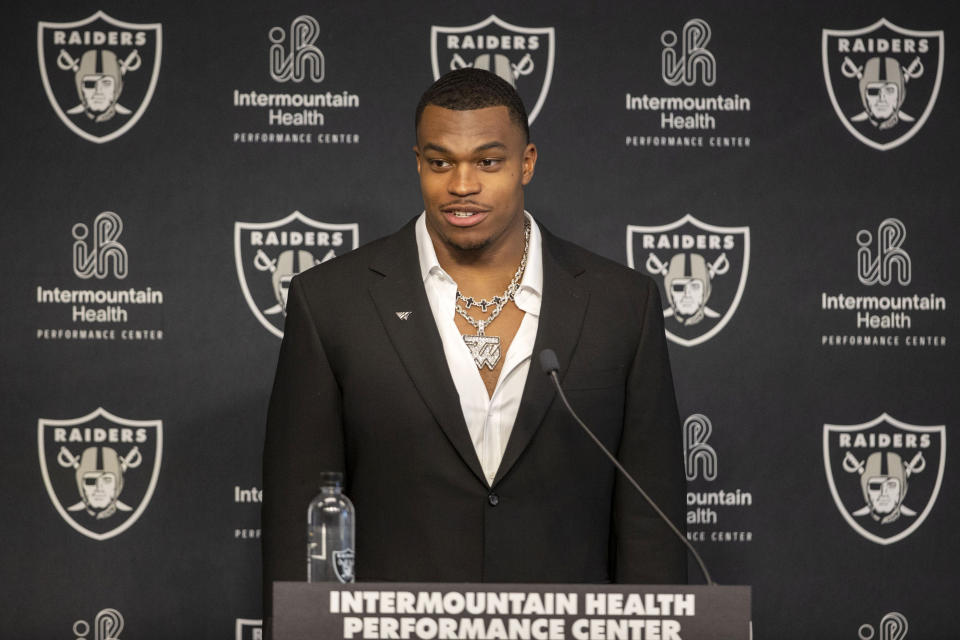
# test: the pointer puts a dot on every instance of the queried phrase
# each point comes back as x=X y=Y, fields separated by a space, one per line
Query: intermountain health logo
x=99 y=73
x=100 y=470
x=879 y=264
x=107 y=625
x=296 y=108
x=884 y=312
x=299 y=59
x=884 y=474
x=686 y=60
x=882 y=80
x=695 y=112
x=707 y=505
x=698 y=456
x=523 y=56
x=893 y=626
x=99 y=307
x=702 y=269
x=270 y=254
x=99 y=254
x=249 y=528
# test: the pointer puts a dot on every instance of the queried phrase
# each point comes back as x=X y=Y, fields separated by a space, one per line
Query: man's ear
x=529 y=163
x=416 y=152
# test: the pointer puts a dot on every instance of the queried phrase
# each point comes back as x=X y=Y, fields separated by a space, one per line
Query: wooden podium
x=482 y=611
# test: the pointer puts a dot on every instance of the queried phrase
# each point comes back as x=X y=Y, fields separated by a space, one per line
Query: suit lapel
x=561 y=319
x=417 y=340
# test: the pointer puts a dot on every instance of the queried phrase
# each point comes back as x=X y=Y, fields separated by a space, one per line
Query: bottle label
x=343 y=564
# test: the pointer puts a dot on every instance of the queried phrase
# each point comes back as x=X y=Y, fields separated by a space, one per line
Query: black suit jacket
x=360 y=389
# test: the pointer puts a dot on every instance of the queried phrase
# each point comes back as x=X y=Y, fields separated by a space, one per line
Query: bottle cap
x=328 y=478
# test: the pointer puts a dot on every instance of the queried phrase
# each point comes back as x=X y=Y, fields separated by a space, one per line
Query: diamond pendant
x=484 y=349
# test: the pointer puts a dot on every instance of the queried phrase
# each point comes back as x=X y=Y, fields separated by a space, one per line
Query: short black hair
x=468 y=89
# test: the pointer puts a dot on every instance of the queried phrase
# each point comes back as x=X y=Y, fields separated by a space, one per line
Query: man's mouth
x=463 y=209
x=464 y=213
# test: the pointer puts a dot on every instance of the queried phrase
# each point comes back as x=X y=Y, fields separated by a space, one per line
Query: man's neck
x=485 y=272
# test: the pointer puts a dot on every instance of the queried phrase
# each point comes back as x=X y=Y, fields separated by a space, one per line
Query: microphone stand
x=550 y=365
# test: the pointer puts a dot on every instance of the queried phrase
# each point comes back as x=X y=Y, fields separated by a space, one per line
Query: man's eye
x=439 y=164
x=489 y=162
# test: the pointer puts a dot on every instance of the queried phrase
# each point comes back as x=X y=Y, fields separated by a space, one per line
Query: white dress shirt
x=489 y=418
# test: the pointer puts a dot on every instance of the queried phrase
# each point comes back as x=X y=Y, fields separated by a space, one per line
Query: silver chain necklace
x=486 y=349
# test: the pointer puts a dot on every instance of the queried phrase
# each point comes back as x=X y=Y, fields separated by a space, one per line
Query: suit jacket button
x=494 y=499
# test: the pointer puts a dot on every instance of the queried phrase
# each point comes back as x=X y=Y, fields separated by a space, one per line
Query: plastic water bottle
x=330 y=532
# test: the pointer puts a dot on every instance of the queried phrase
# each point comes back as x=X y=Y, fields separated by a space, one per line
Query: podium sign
x=437 y=611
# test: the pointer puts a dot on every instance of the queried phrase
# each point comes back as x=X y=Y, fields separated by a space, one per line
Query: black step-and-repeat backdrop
x=788 y=174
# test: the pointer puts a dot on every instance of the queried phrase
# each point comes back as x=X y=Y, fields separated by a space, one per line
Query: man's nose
x=463 y=180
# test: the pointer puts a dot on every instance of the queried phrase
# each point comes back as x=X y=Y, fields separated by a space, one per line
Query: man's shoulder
x=584 y=263
x=346 y=269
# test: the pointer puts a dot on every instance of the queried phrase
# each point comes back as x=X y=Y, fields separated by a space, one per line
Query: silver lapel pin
x=404 y=315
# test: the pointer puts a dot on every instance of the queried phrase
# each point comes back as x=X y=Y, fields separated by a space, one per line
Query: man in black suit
x=406 y=365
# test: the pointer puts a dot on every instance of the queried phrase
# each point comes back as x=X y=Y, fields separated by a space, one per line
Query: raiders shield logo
x=882 y=80
x=702 y=269
x=522 y=56
x=884 y=474
x=100 y=470
x=99 y=73
x=343 y=564
x=269 y=254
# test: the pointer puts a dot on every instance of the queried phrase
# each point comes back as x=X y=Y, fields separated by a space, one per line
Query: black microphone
x=550 y=365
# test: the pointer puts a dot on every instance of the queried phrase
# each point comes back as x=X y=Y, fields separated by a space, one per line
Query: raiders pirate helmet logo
x=884 y=475
x=523 y=56
x=687 y=286
x=882 y=80
x=269 y=254
x=100 y=470
x=99 y=73
x=99 y=473
x=343 y=564
x=883 y=480
x=702 y=269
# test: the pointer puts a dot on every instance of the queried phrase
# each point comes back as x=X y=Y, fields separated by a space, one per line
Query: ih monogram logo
x=303 y=59
x=95 y=259
x=107 y=625
x=696 y=452
x=692 y=61
x=878 y=268
x=893 y=626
